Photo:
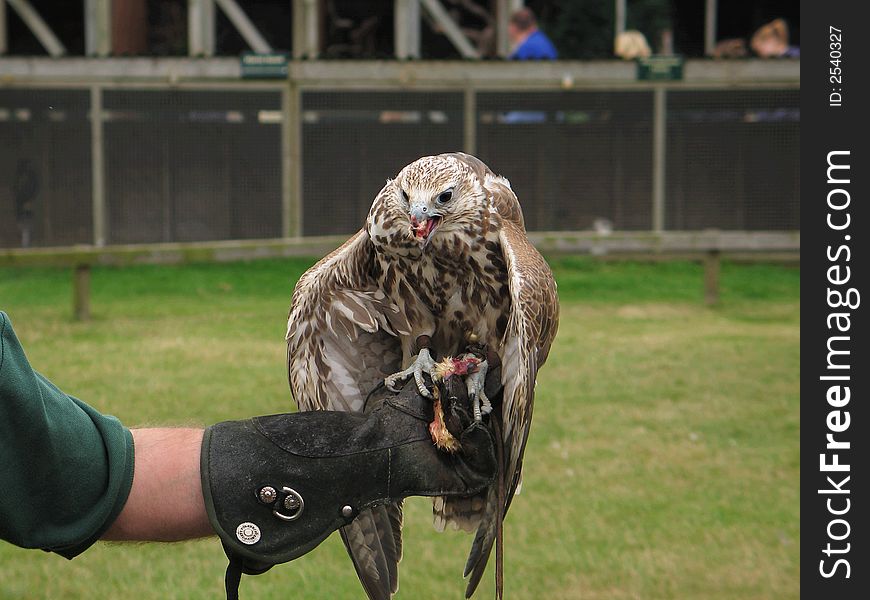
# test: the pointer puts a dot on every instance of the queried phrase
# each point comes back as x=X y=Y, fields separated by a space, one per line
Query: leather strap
x=232 y=579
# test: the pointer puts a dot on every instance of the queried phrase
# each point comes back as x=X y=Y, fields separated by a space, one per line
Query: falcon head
x=432 y=200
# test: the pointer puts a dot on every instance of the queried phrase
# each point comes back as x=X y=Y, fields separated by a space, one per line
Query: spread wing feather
x=341 y=331
x=341 y=342
x=532 y=325
x=532 y=322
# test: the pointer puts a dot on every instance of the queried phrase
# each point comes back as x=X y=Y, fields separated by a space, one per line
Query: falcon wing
x=341 y=331
x=532 y=325
x=341 y=341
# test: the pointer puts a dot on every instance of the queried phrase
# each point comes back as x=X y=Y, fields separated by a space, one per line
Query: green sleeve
x=65 y=469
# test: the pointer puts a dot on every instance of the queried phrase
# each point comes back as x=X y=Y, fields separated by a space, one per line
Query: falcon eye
x=405 y=195
x=445 y=197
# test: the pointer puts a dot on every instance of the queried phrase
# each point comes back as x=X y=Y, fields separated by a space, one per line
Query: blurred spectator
x=630 y=45
x=666 y=42
x=771 y=41
x=731 y=48
x=528 y=42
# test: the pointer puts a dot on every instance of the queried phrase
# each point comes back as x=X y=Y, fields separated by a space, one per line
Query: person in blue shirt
x=529 y=42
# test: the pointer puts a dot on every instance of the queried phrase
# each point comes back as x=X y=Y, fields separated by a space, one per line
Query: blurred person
x=731 y=48
x=529 y=42
x=272 y=488
x=771 y=41
x=630 y=45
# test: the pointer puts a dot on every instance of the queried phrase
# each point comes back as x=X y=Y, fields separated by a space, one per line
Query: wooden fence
x=707 y=247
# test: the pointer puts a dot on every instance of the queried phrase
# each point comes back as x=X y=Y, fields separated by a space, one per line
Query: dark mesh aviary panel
x=353 y=141
x=733 y=160
x=45 y=168
x=192 y=165
x=184 y=165
x=573 y=158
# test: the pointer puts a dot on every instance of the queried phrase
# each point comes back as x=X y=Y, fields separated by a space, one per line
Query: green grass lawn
x=663 y=460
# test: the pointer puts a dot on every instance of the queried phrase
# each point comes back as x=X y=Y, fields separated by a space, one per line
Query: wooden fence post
x=711 y=277
x=82 y=292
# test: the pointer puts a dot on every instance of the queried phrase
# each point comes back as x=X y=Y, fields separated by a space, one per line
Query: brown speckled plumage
x=356 y=314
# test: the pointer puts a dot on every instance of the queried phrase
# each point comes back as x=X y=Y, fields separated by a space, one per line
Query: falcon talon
x=485 y=404
x=481 y=406
x=476 y=383
x=391 y=380
x=422 y=364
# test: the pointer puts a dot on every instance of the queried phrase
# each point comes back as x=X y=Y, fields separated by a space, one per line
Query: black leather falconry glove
x=277 y=486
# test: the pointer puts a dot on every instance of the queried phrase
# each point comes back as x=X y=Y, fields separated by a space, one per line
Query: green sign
x=264 y=66
x=669 y=68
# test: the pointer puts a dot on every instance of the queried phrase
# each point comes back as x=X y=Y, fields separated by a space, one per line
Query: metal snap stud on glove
x=267 y=494
x=293 y=505
x=248 y=533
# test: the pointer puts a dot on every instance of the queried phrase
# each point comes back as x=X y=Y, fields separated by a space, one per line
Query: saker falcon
x=443 y=259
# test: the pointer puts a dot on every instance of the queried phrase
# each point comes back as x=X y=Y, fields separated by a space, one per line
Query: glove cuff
x=266 y=505
x=275 y=487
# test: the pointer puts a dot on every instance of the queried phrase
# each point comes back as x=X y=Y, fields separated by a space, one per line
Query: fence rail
x=708 y=247
x=693 y=244
x=365 y=74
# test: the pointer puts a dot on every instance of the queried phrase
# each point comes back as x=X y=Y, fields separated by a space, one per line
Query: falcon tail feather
x=482 y=545
x=370 y=542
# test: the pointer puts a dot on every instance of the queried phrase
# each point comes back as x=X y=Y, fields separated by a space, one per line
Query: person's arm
x=65 y=468
x=165 y=503
x=232 y=479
